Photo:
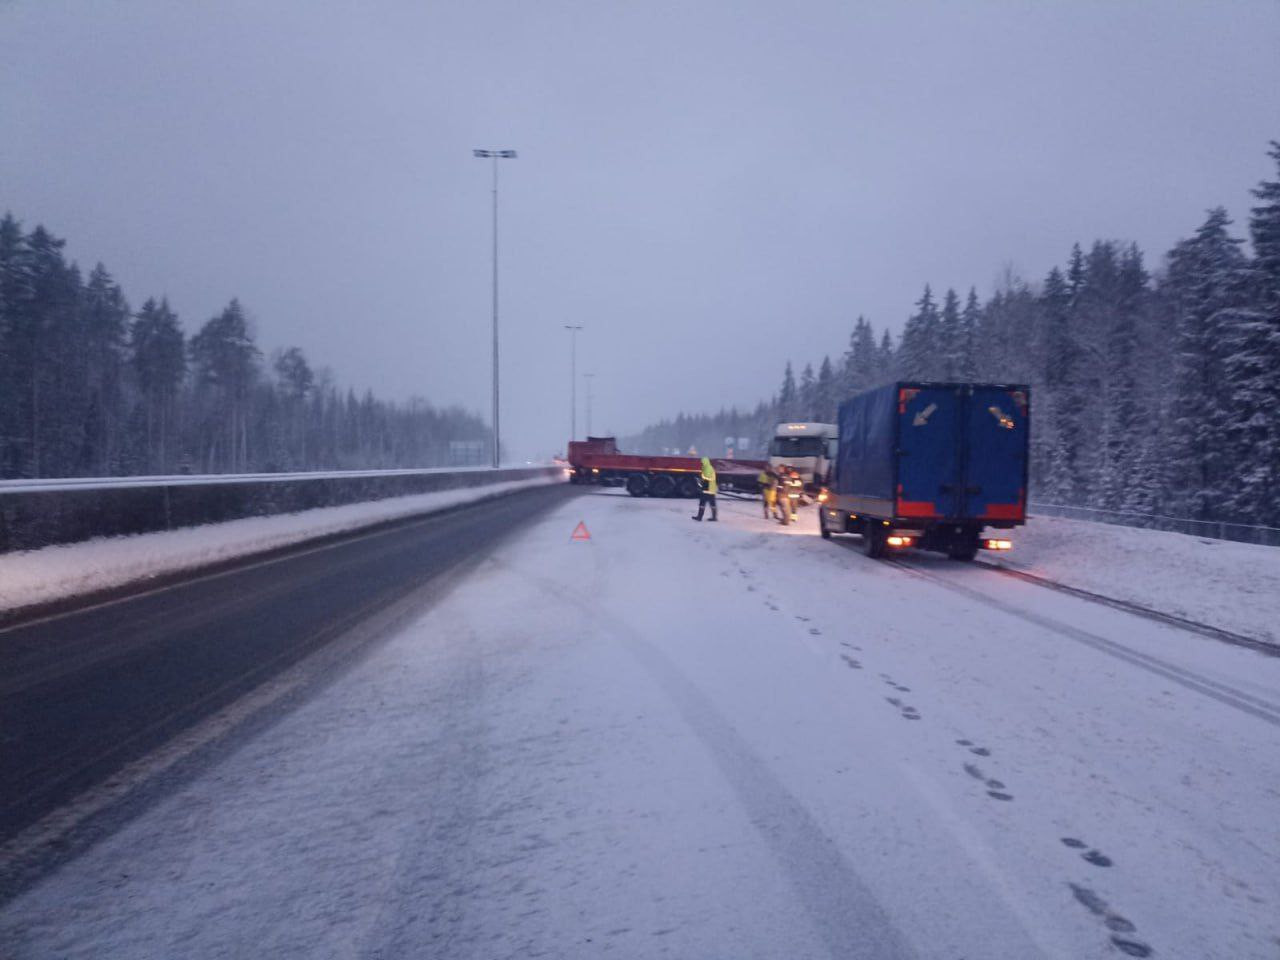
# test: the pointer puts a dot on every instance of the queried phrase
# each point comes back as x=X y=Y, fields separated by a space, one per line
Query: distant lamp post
x=573 y=329
x=588 y=377
x=495 y=156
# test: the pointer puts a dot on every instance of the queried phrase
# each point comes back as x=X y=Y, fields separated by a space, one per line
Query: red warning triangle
x=580 y=532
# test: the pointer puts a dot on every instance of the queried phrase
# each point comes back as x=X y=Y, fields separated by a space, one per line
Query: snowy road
x=720 y=741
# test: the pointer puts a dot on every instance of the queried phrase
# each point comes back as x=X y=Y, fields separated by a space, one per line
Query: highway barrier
x=1213 y=529
x=37 y=513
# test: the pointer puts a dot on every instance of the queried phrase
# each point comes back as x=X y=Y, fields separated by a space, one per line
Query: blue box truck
x=930 y=465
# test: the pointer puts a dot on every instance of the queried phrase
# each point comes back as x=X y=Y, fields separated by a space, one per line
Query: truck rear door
x=928 y=452
x=995 y=454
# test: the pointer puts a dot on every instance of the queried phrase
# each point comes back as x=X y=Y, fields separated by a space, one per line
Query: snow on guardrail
x=54 y=573
x=198 y=479
x=38 y=513
x=1213 y=529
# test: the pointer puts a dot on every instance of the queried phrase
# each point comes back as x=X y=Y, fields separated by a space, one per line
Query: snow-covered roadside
x=68 y=570
x=1234 y=586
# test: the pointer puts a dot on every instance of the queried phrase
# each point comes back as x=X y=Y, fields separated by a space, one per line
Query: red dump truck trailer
x=597 y=460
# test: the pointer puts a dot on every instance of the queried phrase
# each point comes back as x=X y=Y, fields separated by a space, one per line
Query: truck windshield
x=797 y=447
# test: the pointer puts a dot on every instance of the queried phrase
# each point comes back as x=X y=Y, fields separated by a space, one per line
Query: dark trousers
x=703 y=500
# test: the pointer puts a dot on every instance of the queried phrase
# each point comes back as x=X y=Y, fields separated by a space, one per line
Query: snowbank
x=67 y=570
x=1234 y=586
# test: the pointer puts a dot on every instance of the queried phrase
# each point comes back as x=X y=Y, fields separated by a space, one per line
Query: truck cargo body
x=597 y=460
x=930 y=465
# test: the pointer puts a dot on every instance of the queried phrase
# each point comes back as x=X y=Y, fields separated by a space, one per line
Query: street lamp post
x=573 y=378
x=588 y=377
x=495 y=155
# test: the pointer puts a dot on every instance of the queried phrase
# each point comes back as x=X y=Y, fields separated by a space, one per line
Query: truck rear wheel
x=873 y=544
x=662 y=485
x=963 y=547
x=822 y=524
x=637 y=484
x=690 y=487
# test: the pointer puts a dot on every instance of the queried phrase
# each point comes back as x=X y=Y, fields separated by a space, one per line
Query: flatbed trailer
x=597 y=460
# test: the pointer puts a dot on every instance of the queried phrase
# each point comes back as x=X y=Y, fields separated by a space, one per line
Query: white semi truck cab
x=808 y=448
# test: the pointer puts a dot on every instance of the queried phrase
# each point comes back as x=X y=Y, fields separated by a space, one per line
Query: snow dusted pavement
x=720 y=740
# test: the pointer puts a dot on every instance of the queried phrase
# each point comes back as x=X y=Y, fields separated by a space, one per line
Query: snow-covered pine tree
x=1202 y=280
x=947 y=360
x=918 y=352
x=887 y=359
x=860 y=369
x=788 y=396
x=825 y=393
x=105 y=316
x=1253 y=367
x=808 y=392
x=967 y=338
x=158 y=361
x=1120 y=413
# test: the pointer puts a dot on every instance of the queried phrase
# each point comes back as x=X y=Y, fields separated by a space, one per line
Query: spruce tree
x=887 y=359
x=1253 y=367
x=947 y=347
x=158 y=360
x=224 y=356
x=808 y=393
x=1203 y=279
x=828 y=391
x=918 y=352
x=787 y=396
x=105 y=317
x=966 y=345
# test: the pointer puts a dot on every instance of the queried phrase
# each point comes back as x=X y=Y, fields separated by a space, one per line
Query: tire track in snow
x=1248 y=703
x=845 y=913
x=1137 y=609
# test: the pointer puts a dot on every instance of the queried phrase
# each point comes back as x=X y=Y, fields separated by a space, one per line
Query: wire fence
x=1213 y=529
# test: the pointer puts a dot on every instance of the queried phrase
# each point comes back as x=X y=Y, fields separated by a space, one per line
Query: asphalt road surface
x=84 y=694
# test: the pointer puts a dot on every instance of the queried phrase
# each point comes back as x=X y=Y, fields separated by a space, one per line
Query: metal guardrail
x=1213 y=529
x=199 y=479
x=37 y=513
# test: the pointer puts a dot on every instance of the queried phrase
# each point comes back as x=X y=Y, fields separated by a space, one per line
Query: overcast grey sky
x=710 y=188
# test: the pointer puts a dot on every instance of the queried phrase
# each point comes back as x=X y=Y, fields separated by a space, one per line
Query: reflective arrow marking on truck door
x=1001 y=417
x=923 y=416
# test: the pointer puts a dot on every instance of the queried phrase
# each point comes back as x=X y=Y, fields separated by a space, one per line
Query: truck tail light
x=997 y=544
x=896 y=541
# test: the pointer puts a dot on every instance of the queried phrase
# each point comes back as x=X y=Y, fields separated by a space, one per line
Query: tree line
x=90 y=387
x=1152 y=392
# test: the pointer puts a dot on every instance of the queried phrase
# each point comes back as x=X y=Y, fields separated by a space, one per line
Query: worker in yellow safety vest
x=768 y=491
x=788 y=480
x=709 y=488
